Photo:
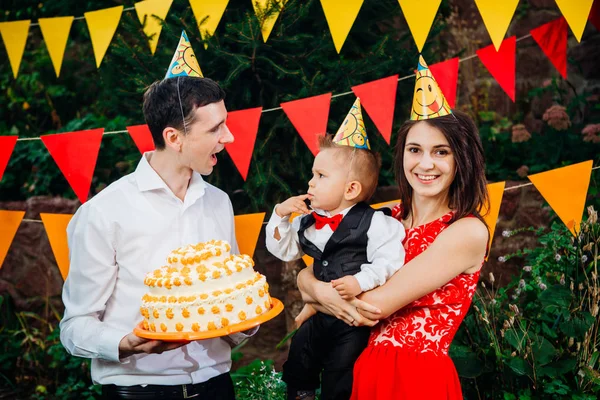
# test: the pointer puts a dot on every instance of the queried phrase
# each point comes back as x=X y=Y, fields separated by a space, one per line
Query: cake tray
x=227 y=330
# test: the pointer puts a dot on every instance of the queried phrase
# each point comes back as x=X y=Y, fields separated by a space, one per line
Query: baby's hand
x=307 y=312
x=347 y=287
x=293 y=205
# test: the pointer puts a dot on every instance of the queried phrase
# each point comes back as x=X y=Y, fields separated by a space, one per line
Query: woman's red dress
x=407 y=355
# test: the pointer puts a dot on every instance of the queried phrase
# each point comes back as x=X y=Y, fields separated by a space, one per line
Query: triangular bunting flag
x=446 y=75
x=243 y=125
x=309 y=117
x=56 y=32
x=9 y=224
x=340 y=17
x=594 y=14
x=267 y=12
x=379 y=100
x=496 y=16
x=56 y=229
x=565 y=190
x=552 y=38
x=154 y=12
x=102 y=25
x=502 y=64
x=7 y=144
x=247 y=229
x=76 y=153
x=141 y=137
x=576 y=13
x=419 y=15
x=208 y=14
x=495 y=191
x=14 y=35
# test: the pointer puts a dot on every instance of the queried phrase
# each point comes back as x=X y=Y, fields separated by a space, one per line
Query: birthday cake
x=203 y=288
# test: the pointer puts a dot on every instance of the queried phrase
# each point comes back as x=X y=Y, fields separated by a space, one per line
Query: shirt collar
x=328 y=214
x=148 y=179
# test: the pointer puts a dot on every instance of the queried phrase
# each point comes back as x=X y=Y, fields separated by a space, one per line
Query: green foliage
x=537 y=338
x=258 y=381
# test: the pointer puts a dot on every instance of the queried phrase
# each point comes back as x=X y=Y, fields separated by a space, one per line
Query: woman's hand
x=350 y=311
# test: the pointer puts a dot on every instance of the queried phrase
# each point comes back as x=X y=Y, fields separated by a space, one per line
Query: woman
x=440 y=173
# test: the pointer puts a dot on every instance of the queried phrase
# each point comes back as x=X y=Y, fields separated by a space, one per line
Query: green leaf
x=519 y=366
x=556 y=296
x=576 y=327
x=515 y=338
x=467 y=364
x=543 y=351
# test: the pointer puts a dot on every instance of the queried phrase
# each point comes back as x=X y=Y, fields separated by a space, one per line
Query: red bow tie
x=321 y=221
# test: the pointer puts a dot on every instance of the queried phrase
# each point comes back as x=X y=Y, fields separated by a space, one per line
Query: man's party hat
x=352 y=132
x=184 y=62
x=428 y=100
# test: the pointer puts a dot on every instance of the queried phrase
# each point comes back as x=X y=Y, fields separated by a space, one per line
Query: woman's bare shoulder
x=470 y=232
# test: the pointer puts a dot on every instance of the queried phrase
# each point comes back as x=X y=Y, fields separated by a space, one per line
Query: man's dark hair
x=162 y=107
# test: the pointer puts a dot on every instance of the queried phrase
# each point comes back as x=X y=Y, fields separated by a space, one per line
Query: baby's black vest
x=346 y=250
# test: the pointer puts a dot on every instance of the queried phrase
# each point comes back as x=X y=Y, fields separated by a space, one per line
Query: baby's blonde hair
x=364 y=165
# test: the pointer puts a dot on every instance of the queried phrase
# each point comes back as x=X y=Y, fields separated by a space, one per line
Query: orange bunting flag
x=9 y=224
x=309 y=116
x=243 y=125
x=208 y=14
x=576 y=12
x=14 y=35
x=490 y=216
x=56 y=229
x=76 y=154
x=141 y=137
x=7 y=145
x=502 y=64
x=102 y=25
x=151 y=14
x=496 y=16
x=419 y=15
x=379 y=100
x=565 y=190
x=56 y=33
x=247 y=230
x=340 y=16
x=267 y=12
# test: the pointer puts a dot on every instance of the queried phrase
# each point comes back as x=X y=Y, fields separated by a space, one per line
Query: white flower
x=521 y=283
x=584 y=258
x=506 y=233
x=557 y=257
x=501 y=259
x=527 y=268
x=542 y=286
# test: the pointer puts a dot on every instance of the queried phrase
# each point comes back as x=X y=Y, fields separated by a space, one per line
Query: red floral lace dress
x=407 y=355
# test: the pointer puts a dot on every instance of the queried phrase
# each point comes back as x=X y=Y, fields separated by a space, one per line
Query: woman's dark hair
x=468 y=191
x=162 y=107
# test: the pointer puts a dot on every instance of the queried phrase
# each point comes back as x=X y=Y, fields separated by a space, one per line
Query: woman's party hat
x=184 y=62
x=352 y=132
x=428 y=100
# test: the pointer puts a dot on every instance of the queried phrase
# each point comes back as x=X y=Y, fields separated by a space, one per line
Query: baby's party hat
x=184 y=62
x=428 y=100
x=352 y=132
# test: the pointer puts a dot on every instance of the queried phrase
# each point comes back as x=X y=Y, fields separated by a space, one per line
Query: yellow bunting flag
x=340 y=15
x=208 y=14
x=495 y=191
x=14 y=35
x=56 y=32
x=102 y=25
x=9 y=223
x=247 y=230
x=56 y=229
x=153 y=12
x=496 y=16
x=420 y=15
x=576 y=13
x=267 y=12
x=565 y=190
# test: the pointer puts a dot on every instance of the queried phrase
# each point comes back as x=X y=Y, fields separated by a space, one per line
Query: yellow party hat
x=428 y=100
x=352 y=132
x=184 y=62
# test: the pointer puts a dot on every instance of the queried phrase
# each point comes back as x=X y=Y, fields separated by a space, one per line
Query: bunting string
x=83 y=17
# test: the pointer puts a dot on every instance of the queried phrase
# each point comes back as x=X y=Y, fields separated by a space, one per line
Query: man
x=128 y=230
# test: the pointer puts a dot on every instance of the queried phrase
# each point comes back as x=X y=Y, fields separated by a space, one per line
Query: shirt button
x=325 y=263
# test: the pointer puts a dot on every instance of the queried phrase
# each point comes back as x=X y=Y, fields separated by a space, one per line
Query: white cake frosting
x=203 y=288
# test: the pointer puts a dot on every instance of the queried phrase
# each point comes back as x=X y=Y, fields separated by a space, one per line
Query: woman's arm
x=459 y=248
x=323 y=297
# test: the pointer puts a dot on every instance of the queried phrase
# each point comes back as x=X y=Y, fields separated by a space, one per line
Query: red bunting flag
x=7 y=144
x=76 y=154
x=594 y=16
x=501 y=64
x=552 y=38
x=446 y=76
x=141 y=137
x=243 y=125
x=309 y=116
x=379 y=100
